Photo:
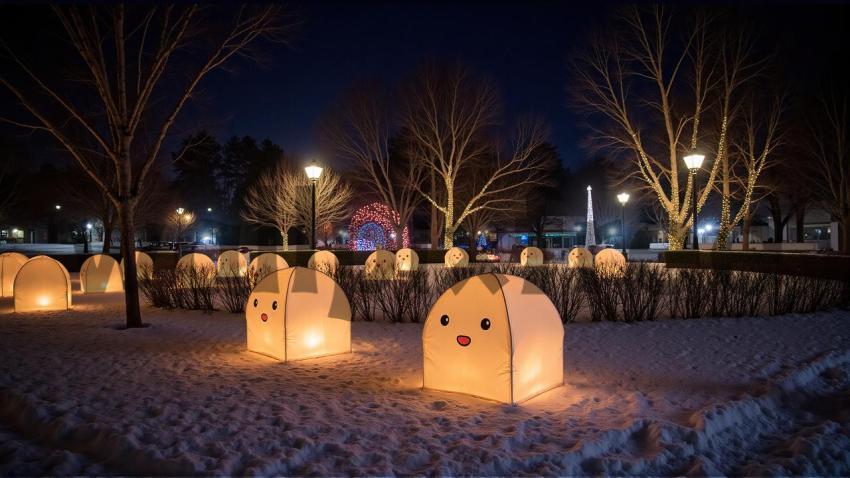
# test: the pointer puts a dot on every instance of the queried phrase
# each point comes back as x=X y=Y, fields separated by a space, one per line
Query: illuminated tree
x=652 y=101
x=180 y=221
x=373 y=226
x=448 y=119
x=135 y=70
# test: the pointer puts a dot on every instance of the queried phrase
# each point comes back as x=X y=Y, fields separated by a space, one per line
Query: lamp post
x=623 y=197
x=694 y=161
x=314 y=172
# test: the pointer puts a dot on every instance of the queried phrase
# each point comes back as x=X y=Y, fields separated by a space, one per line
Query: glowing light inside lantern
x=43 y=301
x=312 y=340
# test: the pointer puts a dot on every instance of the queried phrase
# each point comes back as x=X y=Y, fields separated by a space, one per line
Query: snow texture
x=756 y=396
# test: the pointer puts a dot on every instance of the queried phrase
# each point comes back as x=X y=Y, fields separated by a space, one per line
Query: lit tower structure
x=590 y=237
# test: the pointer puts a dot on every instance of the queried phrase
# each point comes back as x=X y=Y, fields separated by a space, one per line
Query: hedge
x=351 y=258
x=796 y=264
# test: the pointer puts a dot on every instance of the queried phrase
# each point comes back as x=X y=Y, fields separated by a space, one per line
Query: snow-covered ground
x=713 y=396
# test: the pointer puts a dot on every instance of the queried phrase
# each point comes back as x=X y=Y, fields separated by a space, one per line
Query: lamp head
x=88 y=226
x=694 y=161
x=623 y=198
x=180 y=211
x=313 y=172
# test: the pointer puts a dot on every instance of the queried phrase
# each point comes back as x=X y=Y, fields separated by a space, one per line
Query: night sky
x=523 y=46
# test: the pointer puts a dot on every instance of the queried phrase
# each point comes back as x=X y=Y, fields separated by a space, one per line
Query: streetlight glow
x=88 y=226
x=58 y=207
x=180 y=211
x=209 y=209
x=313 y=171
x=623 y=198
x=694 y=161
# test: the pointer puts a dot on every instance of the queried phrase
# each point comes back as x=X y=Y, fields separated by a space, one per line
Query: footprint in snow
x=439 y=405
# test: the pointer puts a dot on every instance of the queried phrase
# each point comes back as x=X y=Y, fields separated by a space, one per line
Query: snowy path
x=754 y=396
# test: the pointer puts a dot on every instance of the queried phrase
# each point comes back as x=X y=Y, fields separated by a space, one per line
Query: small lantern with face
x=231 y=264
x=493 y=336
x=406 y=260
x=456 y=257
x=579 y=258
x=324 y=261
x=610 y=263
x=298 y=313
x=531 y=256
x=380 y=265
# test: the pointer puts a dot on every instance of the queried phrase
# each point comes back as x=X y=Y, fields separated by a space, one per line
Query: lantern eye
x=274 y=305
x=485 y=324
x=255 y=302
x=444 y=320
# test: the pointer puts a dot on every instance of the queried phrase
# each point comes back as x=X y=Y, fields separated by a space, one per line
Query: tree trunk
x=676 y=234
x=128 y=250
x=845 y=234
x=745 y=232
x=435 y=216
x=800 y=220
x=776 y=214
x=284 y=237
x=107 y=237
x=449 y=221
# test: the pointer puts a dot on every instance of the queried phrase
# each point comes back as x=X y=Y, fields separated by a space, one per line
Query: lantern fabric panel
x=10 y=264
x=42 y=283
x=456 y=257
x=610 y=262
x=144 y=265
x=298 y=313
x=267 y=263
x=198 y=262
x=101 y=273
x=482 y=367
x=537 y=336
x=323 y=261
x=580 y=257
x=493 y=336
x=380 y=265
x=531 y=256
x=406 y=260
x=231 y=264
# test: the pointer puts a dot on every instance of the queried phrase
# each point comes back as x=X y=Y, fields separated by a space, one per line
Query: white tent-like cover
x=144 y=265
x=380 y=265
x=10 y=264
x=610 y=262
x=406 y=260
x=456 y=257
x=494 y=336
x=266 y=263
x=579 y=258
x=100 y=273
x=531 y=256
x=231 y=264
x=298 y=313
x=42 y=283
x=323 y=261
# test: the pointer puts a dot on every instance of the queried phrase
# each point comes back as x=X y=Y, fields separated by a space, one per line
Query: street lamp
x=623 y=197
x=58 y=207
x=694 y=161
x=314 y=172
x=87 y=238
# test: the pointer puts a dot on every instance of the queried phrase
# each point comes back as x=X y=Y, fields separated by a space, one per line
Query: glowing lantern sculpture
x=10 y=264
x=610 y=263
x=298 y=313
x=456 y=257
x=371 y=228
x=144 y=265
x=231 y=264
x=196 y=269
x=579 y=258
x=531 y=256
x=406 y=260
x=101 y=273
x=494 y=336
x=42 y=283
x=266 y=263
x=323 y=261
x=380 y=265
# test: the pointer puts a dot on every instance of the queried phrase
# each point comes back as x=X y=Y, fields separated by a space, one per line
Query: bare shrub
x=160 y=288
x=195 y=288
x=602 y=294
x=233 y=292
x=641 y=289
x=689 y=293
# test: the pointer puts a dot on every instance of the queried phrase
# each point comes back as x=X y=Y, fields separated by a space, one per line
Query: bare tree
x=126 y=55
x=740 y=177
x=830 y=160
x=637 y=82
x=180 y=221
x=362 y=135
x=271 y=200
x=333 y=200
x=9 y=182
x=281 y=198
x=448 y=118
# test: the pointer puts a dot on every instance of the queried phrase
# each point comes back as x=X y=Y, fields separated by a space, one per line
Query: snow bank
x=713 y=396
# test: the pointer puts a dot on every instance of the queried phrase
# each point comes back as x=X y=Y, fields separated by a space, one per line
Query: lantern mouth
x=264 y=317
x=463 y=340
